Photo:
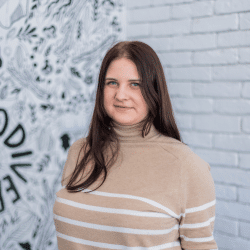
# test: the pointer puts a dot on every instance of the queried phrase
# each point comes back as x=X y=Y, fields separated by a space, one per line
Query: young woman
x=132 y=183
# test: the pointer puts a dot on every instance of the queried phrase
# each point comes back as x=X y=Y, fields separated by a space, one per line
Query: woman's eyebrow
x=111 y=79
x=134 y=80
x=130 y=80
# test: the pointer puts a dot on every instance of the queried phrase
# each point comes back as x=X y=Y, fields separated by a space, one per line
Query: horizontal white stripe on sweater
x=153 y=203
x=113 y=246
x=111 y=210
x=200 y=208
x=127 y=196
x=198 y=225
x=203 y=239
x=115 y=229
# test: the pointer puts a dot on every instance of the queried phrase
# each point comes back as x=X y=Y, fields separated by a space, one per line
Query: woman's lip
x=121 y=107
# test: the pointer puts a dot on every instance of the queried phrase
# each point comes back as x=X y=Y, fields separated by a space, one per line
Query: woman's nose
x=121 y=93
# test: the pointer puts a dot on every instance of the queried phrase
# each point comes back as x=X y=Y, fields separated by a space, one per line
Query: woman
x=153 y=191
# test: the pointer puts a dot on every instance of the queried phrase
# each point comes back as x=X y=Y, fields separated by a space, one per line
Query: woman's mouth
x=122 y=107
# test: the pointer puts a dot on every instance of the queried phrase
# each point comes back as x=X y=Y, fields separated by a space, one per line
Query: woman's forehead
x=122 y=68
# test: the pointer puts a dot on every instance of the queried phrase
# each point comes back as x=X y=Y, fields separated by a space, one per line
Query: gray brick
x=137 y=30
x=234 y=38
x=138 y=3
x=217 y=89
x=245 y=21
x=202 y=8
x=238 y=106
x=244 y=55
x=246 y=124
x=192 y=105
x=240 y=143
x=149 y=14
x=245 y=229
x=232 y=73
x=244 y=161
x=246 y=90
x=226 y=192
x=160 y=2
x=175 y=58
x=194 y=42
x=191 y=73
x=197 y=139
x=181 y=11
x=221 y=56
x=227 y=226
x=184 y=121
x=167 y=72
x=228 y=242
x=180 y=89
x=229 y=6
x=217 y=123
x=170 y=27
x=158 y=44
x=233 y=209
x=231 y=176
x=218 y=158
x=215 y=23
x=244 y=195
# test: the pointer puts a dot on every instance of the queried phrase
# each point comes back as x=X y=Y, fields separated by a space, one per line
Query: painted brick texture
x=204 y=47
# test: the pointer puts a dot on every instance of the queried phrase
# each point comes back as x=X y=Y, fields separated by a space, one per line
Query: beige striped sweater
x=158 y=195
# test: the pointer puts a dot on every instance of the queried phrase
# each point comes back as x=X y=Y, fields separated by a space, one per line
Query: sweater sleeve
x=197 y=204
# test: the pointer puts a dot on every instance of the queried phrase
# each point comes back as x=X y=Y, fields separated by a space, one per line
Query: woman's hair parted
x=101 y=133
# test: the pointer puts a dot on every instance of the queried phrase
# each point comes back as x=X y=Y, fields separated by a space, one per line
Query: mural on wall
x=50 y=55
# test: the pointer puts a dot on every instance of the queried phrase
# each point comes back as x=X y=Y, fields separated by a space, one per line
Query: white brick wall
x=204 y=46
x=233 y=39
x=194 y=42
x=215 y=23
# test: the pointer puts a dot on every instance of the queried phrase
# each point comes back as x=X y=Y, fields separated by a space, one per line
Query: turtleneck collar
x=133 y=133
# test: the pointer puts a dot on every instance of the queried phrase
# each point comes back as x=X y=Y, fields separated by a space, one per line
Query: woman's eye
x=109 y=83
x=136 y=83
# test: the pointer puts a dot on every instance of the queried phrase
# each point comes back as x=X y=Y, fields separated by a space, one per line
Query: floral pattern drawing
x=50 y=55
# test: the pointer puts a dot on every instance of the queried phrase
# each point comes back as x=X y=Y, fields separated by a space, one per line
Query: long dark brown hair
x=101 y=133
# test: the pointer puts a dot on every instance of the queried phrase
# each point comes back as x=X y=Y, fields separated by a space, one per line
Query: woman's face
x=122 y=88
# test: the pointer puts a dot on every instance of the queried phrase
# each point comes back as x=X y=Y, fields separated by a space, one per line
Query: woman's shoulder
x=74 y=155
x=182 y=152
x=174 y=146
x=76 y=146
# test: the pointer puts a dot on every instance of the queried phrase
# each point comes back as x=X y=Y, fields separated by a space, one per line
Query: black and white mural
x=50 y=55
